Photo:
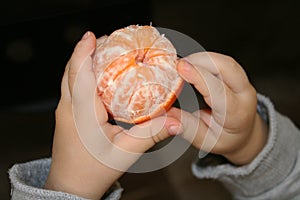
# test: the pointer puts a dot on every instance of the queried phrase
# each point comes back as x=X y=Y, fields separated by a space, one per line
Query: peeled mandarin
x=136 y=73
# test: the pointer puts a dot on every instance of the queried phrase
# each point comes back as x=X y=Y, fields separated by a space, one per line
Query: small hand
x=89 y=154
x=231 y=127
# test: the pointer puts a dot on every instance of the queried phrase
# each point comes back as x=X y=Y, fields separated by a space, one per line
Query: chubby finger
x=215 y=93
x=80 y=57
x=198 y=129
x=223 y=67
x=82 y=81
x=85 y=97
x=193 y=128
x=142 y=137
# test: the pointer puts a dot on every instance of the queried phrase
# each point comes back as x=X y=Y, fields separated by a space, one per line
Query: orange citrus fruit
x=136 y=73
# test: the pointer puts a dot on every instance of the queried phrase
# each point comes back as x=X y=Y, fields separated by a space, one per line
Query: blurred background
x=37 y=39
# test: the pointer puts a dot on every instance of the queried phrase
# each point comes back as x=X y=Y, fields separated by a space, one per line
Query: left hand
x=82 y=133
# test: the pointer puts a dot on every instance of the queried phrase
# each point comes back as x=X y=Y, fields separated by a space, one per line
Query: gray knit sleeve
x=28 y=179
x=274 y=173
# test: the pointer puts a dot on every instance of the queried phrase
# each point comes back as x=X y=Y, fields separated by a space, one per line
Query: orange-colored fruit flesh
x=137 y=80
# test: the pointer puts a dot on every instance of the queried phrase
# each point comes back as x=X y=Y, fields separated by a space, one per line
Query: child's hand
x=81 y=124
x=231 y=125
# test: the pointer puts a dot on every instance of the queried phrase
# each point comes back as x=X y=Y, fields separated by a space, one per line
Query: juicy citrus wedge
x=136 y=73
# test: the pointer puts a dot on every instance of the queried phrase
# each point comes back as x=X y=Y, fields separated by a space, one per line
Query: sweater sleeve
x=28 y=179
x=273 y=174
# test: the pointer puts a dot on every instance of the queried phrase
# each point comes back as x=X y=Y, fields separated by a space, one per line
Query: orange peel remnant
x=136 y=73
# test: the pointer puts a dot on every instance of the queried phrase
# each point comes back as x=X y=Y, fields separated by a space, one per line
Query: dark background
x=37 y=39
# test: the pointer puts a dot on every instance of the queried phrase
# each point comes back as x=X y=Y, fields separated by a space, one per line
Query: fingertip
x=184 y=66
x=173 y=126
x=175 y=129
x=186 y=70
x=88 y=35
x=86 y=45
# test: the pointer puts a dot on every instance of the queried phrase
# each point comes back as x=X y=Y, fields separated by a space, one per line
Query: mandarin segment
x=136 y=73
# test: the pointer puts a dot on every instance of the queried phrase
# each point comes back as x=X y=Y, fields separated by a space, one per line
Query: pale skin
x=74 y=170
x=242 y=137
x=243 y=133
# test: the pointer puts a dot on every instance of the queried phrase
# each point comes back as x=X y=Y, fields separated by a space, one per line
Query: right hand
x=231 y=125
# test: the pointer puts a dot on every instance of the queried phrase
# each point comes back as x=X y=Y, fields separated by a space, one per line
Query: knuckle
x=156 y=138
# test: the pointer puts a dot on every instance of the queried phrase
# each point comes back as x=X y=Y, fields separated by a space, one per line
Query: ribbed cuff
x=28 y=179
x=269 y=168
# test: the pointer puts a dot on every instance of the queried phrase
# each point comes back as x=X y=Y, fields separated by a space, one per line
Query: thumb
x=142 y=137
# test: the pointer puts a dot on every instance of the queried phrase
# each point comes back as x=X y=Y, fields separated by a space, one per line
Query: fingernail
x=86 y=35
x=184 y=65
x=175 y=129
